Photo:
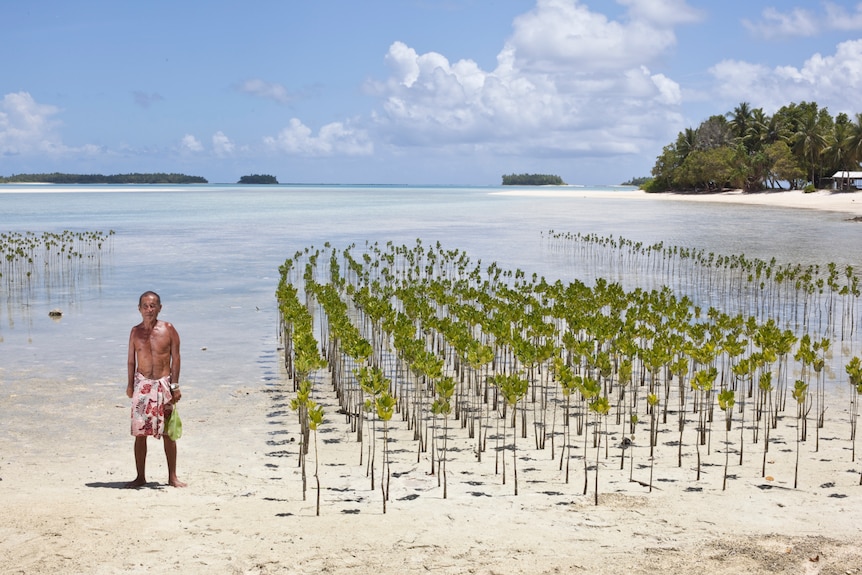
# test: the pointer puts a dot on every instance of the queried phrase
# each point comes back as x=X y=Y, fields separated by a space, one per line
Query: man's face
x=150 y=307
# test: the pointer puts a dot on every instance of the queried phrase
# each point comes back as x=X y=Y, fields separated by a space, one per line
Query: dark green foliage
x=60 y=178
x=637 y=181
x=801 y=144
x=532 y=180
x=258 y=179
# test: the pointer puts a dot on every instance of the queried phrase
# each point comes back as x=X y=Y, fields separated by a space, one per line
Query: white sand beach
x=63 y=465
x=830 y=200
x=65 y=509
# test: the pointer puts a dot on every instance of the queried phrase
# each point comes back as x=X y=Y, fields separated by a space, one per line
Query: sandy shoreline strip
x=850 y=202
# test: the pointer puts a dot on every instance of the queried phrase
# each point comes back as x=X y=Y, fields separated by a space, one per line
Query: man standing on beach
x=154 y=377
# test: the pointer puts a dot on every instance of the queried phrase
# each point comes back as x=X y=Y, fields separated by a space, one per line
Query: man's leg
x=140 y=462
x=171 y=455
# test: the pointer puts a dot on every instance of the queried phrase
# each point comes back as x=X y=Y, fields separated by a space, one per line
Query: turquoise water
x=213 y=252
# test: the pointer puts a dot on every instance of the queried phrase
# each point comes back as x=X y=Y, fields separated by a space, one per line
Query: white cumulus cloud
x=774 y=23
x=795 y=22
x=566 y=76
x=331 y=139
x=191 y=144
x=839 y=18
x=566 y=35
x=27 y=126
x=835 y=78
x=268 y=90
x=222 y=146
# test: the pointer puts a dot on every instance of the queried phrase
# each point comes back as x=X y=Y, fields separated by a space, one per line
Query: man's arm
x=131 y=364
x=176 y=363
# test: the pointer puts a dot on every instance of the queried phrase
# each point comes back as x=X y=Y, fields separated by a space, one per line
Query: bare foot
x=136 y=483
x=176 y=483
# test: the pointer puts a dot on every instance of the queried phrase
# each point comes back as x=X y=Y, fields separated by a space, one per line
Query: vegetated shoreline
x=90 y=179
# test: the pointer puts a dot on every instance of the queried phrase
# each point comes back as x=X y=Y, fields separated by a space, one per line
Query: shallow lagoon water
x=213 y=252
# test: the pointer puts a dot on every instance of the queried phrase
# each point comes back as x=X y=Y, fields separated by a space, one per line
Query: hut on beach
x=846 y=180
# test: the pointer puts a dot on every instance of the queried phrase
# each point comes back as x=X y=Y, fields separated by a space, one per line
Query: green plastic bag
x=174 y=426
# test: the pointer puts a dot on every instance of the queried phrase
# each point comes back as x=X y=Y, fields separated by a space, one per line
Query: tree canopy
x=638 y=181
x=60 y=178
x=801 y=145
x=532 y=180
x=258 y=179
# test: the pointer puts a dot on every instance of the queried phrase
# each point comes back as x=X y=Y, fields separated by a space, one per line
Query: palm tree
x=854 y=142
x=758 y=133
x=810 y=139
x=836 y=153
x=741 y=121
x=686 y=142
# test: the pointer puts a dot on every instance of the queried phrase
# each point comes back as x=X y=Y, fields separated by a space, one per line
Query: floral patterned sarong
x=149 y=400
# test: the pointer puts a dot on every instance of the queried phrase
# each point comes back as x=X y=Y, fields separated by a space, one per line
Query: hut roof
x=846 y=175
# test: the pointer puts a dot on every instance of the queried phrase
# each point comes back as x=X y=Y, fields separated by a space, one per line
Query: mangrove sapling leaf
x=652 y=402
x=625 y=378
x=680 y=368
x=820 y=394
x=742 y=371
x=590 y=389
x=784 y=345
x=479 y=357
x=805 y=354
x=513 y=388
x=634 y=421
x=385 y=404
x=702 y=383
x=300 y=406
x=315 y=419
x=854 y=374
x=445 y=388
x=726 y=400
x=600 y=406
x=373 y=382
x=567 y=382
x=765 y=385
x=800 y=394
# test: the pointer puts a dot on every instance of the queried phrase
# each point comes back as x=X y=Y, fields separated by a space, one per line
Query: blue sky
x=402 y=91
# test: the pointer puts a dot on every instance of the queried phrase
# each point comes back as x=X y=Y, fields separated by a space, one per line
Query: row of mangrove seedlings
x=809 y=297
x=454 y=347
x=50 y=260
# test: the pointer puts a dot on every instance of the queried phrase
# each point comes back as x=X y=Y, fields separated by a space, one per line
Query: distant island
x=58 y=178
x=258 y=179
x=533 y=180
